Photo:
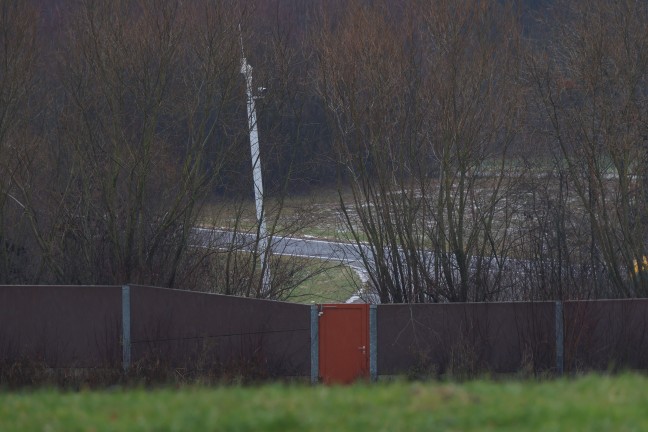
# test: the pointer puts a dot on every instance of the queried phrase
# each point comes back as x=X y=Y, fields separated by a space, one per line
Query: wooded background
x=508 y=138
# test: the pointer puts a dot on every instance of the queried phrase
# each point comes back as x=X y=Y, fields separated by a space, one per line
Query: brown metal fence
x=62 y=326
x=189 y=328
x=84 y=327
x=465 y=338
x=606 y=334
x=112 y=326
x=529 y=337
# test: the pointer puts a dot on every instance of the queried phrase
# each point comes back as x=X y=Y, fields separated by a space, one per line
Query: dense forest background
x=508 y=138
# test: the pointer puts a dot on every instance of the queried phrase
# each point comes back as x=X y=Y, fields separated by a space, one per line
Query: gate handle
x=363 y=348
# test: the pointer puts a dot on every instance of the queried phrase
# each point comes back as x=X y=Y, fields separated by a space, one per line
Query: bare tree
x=145 y=85
x=592 y=85
x=425 y=105
x=139 y=122
x=476 y=96
x=18 y=64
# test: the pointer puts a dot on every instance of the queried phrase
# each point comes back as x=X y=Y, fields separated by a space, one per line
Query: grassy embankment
x=328 y=283
x=587 y=404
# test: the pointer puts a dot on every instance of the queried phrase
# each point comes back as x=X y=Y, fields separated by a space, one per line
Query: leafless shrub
x=590 y=88
x=425 y=110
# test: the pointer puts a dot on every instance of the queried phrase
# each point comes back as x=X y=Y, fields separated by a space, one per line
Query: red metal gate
x=343 y=343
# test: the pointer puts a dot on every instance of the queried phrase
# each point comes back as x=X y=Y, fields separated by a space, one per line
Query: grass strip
x=592 y=403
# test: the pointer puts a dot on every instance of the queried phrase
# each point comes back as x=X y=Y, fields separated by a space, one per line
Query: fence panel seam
x=373 y=342
x=314 y=336
x=560 y=338
x=126 y=328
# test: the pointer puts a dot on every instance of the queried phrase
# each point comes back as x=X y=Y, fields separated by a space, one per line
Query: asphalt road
x=345 y=253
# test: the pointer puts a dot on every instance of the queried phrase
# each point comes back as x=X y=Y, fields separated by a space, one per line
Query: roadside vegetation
x=591 y=403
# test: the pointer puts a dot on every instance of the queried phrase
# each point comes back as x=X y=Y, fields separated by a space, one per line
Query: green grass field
x=329 y=284
x=589 y=403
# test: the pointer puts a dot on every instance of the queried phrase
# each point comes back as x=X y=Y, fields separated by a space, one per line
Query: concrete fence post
x=126 y=328
x=560 y=338
x=314 y=348
x=373 y=342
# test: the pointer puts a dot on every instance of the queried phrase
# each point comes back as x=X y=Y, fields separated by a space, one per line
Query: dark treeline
x=493 y=150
